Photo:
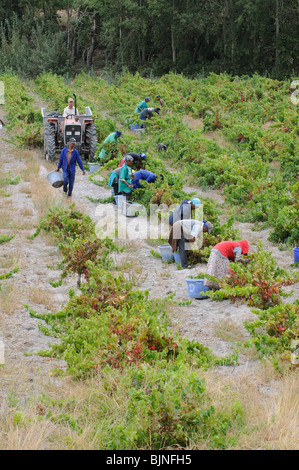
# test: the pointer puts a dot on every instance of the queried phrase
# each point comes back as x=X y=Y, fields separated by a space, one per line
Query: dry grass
x=269 y=413
x=269 y=406
x=228 y=331
x=25 y=189
x=6 y=218
x=9 y=261
x=10 y=297
x=40 y=296
x=27 y=212
x=193 y=123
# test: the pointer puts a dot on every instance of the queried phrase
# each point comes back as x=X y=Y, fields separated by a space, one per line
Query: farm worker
x=186 y=231
x=139 y=158
x=111 y=138
x=143 y=175
x=161 y=102
x=68 y=159
x=142 y=105
x=148 y=113
x=220 y=257
x=125 y=185
x=70 y=109
x=161 y=147
x=114 y=179
x=184 y=210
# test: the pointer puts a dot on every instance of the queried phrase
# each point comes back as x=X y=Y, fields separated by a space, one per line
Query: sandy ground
x=200 y=320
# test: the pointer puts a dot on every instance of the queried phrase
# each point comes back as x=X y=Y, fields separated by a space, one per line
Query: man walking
x=69 y=157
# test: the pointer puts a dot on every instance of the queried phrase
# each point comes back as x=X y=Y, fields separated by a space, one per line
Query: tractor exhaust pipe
x=75 y=103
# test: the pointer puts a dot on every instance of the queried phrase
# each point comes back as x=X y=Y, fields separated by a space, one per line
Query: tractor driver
x=70 y=109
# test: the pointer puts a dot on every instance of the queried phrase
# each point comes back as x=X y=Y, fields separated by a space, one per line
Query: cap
x=147 y=98
x=70 y=99
x=117 y=134
x=195 y=202
x=72 y=140
x=142 y=155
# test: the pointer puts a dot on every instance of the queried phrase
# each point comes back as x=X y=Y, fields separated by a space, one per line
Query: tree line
x=151 y=36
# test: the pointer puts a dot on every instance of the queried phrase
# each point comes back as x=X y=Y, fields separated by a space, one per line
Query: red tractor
x=58 y=130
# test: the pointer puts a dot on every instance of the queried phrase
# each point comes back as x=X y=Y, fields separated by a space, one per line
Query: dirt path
x=25 y=373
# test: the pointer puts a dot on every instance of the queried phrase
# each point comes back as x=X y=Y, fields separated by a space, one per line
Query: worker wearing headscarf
x=221 y=255
x=125 y=184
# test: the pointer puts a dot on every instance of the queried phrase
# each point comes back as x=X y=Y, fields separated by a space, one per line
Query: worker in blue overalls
x=69 y=157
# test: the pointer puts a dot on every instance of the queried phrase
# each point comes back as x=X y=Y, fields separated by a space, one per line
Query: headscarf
x=245 y=247
x=196 y=202
x=208 y=225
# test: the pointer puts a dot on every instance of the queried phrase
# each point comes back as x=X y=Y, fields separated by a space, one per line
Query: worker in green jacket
x=142 y=105
x=111 y=138
x=125 y=181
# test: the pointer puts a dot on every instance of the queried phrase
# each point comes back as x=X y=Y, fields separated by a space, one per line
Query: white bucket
x=131 y=209
x=119 y=200
x=55 y=178
x=166 y=252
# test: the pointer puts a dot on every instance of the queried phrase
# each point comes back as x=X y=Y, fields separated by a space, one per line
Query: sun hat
x=195 y=202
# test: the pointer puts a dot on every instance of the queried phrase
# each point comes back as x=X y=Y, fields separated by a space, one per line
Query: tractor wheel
x=49 y=142
x=91 y=141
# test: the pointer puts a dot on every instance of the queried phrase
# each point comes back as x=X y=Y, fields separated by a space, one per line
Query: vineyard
x=233 y=142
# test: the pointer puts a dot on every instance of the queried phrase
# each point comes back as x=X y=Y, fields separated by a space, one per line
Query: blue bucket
x=119 y=200
x=177 y=258
x=196 y=288
x=166 y=252
x=296 y=255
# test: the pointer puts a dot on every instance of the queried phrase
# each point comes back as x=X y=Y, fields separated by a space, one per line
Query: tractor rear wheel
x=91 y=141
x=49 y=142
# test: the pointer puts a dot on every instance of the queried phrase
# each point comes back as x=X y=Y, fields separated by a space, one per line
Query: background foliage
x=185 y=36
